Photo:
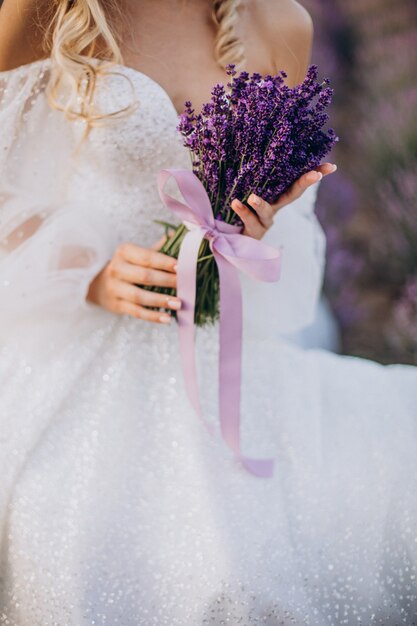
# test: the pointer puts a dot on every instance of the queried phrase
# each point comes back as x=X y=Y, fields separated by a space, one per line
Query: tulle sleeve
x=49 y=250
x=290 y=304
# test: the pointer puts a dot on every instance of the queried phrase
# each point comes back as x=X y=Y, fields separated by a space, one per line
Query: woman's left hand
x=257 y=222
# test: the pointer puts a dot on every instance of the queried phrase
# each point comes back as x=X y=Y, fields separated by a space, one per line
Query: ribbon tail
x=186 y=291
x=230 y=366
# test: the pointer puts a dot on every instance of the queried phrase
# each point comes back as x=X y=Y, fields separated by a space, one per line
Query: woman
x=116 y=504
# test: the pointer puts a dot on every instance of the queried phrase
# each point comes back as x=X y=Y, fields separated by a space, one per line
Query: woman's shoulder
x=23 y=83
x=22 y=30
x=32 y=68
x=273 y=12
x=285 y=28
x=22 y=99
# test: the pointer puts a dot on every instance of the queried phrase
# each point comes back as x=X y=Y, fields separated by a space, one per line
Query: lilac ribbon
x=232 y=251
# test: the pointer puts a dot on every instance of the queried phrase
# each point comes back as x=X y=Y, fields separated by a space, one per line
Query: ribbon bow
x=232 y=251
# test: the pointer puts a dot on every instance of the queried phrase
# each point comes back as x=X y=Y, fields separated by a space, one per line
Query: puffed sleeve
x=290 y=304
x=49 y=250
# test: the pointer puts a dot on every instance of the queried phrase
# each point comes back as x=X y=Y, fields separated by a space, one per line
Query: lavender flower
x=256 y=136
x=259 y=137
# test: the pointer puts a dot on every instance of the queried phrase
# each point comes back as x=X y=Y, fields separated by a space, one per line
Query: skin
x=157 y=38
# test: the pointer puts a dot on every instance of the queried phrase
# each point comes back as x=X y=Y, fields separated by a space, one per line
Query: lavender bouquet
x=257 y=136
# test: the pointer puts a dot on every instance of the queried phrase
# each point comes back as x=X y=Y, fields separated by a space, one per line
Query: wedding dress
x=117 y=506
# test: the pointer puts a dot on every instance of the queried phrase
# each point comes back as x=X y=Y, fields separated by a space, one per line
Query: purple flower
x=254 y=135
x=258 y=136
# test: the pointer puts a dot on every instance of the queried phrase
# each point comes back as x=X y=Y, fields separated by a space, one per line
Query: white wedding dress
x=117 y=507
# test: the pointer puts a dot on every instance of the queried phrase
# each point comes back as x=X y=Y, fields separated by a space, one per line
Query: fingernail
x=334 y=168
x=175 y=267
x=319 y=176
x=165 y=318
x=174 y=304
x=255 y=200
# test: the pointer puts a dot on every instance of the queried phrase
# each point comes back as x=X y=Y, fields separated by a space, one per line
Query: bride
x=117 y=506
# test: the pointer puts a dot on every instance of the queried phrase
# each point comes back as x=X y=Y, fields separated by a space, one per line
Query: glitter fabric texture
x=117 y=507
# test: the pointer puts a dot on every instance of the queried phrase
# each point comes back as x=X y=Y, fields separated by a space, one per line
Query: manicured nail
x=174 y=304
x=319 y=176
x=334 y=168
x=255 y=200
x=165 y=318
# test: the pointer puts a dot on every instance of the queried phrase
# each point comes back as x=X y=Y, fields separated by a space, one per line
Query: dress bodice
x=127 y=154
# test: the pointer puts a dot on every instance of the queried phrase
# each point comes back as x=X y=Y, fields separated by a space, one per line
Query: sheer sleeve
x=49 y=250
x=290 y=304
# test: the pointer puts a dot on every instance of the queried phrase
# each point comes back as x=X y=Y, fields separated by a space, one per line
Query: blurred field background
x=369 y=207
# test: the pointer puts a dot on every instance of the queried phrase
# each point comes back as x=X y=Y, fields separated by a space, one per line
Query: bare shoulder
x=280 y=9
x=286 y=30
x=22 y=24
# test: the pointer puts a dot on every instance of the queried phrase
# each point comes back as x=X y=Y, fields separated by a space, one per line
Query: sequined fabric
x=117 y=507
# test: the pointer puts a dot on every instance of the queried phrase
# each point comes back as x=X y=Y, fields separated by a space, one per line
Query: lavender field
x=369 y=208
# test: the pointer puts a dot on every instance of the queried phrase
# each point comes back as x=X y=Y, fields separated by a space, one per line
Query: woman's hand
x=114 y=288
x=257 y=222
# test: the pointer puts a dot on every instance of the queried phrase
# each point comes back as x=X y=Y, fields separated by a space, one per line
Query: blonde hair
x=228 y=47
x=79 y=28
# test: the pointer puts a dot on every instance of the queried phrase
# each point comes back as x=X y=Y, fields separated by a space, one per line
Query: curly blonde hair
x=228 y=47
x=79 y=28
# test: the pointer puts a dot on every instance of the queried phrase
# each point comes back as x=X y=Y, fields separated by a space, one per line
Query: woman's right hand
x=115 y=287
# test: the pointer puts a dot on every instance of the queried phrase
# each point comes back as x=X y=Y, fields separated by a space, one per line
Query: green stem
x=204 y=258
x=170 y=247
